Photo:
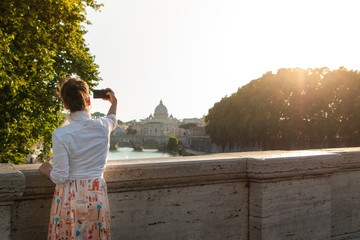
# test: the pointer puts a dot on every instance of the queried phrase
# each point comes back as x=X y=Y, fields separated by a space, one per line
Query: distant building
x=200 y=122
x=155 y=130
x=160 y=124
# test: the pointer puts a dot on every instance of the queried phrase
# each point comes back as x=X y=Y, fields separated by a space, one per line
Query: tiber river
x=130 y=153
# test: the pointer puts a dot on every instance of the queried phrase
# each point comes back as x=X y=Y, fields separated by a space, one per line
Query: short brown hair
x=74 y=93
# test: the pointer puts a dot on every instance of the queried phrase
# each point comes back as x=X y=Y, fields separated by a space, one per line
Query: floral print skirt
x=80 y=210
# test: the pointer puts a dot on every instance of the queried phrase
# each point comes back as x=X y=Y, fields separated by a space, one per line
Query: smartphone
x=101 y=93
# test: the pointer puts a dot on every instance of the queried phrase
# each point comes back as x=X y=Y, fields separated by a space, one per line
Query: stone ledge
x=293 y=165
x=12 y=183
x=185 y=172
x=247 y=195
x=128 y=175
x=148 y=174
x=286 y=165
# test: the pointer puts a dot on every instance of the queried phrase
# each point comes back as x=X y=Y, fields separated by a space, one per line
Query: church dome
x=161 y=111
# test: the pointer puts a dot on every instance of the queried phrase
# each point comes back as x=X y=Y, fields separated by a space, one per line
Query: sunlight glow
x=192 y=53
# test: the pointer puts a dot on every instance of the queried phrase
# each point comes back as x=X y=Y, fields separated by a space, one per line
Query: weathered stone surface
x=5 y=222
x=345 y=203
x=36 y=184
x=189 y=195
x=291 y=209
x=12 y=183
x=124 y=175
x=216 y=211
x=30 y=219
x=250 y=195
x=291 y=165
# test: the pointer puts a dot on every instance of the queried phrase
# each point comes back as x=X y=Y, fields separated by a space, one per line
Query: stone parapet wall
x=249 y=195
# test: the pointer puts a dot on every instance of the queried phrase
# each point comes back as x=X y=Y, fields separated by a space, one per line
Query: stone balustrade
x=246 y=195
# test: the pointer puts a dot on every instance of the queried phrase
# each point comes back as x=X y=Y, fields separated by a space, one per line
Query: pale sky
x=191 y=53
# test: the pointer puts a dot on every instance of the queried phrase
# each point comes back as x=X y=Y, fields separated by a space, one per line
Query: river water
x=130 y=153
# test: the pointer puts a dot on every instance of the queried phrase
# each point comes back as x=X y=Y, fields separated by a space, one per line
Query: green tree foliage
x=173 y=143
x=41 y=43
x=292 y=109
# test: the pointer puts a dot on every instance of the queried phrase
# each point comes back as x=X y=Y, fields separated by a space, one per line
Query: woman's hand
x=111 y=94
x=112 y=100
x=45 y=169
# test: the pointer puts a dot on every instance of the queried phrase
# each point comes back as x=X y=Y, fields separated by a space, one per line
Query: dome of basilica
x=161 y=111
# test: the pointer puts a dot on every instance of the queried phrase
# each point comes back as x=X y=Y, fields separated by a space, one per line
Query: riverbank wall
x=196 y=143
x=310 y=194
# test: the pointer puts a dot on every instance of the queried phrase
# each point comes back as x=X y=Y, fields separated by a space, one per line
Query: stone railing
x=253 y=195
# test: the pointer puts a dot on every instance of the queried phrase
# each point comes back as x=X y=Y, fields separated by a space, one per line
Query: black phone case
x=100 y=94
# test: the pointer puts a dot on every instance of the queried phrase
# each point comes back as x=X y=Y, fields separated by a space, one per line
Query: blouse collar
x=80 y=115
x=77 y=116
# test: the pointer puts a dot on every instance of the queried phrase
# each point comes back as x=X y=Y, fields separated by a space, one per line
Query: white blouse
x=81 y=146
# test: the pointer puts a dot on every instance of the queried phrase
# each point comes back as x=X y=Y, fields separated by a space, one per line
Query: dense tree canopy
x=292 y=109
x=41 y=43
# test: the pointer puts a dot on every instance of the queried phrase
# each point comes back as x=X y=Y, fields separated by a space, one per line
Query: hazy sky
x=191 y=53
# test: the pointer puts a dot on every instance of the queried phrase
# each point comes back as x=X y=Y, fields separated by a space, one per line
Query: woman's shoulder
x=65 y=129
x=109 y=120
x=58 y=133
x=111 y=117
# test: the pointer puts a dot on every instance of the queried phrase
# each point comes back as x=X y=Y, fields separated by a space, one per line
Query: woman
x=80 y=206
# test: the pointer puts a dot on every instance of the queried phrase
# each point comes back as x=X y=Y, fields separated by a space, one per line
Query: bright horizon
x=190 y=54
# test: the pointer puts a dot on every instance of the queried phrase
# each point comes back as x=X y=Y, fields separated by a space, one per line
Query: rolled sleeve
x=112 y=121
x=60 y=171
